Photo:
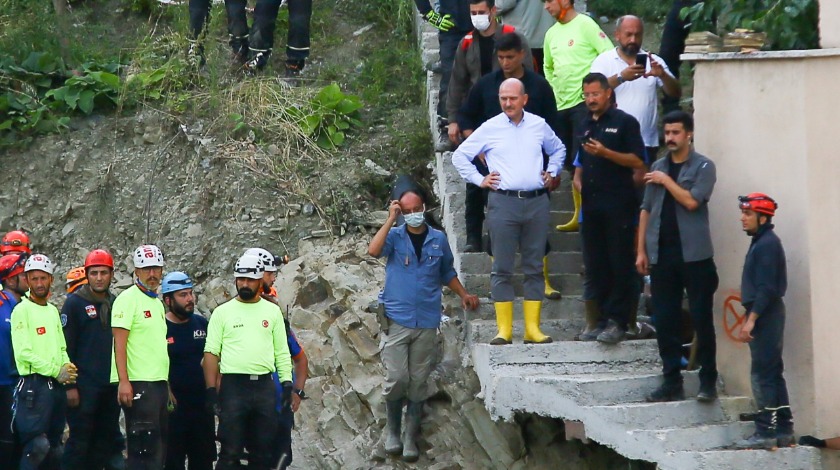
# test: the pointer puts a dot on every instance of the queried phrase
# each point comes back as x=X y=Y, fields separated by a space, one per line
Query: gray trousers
x=408 y=356
x=517 y=224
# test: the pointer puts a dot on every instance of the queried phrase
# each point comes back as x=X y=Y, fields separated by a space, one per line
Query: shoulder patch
x=63 y=320
x=602 y=35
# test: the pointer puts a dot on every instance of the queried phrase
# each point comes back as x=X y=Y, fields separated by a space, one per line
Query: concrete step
x=695 y=438
x=791 y=458
x=558 y=263
x=569 y=307
x=563 y=242
x=674 y=414
x=480 y=332
x=567 y=284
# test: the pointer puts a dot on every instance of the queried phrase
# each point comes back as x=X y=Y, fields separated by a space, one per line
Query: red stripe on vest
x=467 y=41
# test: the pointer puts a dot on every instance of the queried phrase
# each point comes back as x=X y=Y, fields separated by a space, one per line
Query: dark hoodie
x=764 y=280
x=87 y=330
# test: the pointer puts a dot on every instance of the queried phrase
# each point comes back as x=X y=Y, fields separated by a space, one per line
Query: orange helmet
x=76 y=278
x=11 y=266
x=758 y=202
x=15 y=241
x=99 y=258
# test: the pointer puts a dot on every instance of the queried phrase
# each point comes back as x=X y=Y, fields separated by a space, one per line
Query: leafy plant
x=789 y=24
x=81 y=92
x=331 y=115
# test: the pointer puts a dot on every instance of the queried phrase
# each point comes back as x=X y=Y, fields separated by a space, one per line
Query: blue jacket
x=412 y=289
x=8 y=371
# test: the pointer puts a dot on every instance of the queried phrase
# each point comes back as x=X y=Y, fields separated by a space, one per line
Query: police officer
x=763 y=285
x=246 y=342
x=41 y=358
x=140 y=362
x=93 y=415
x=14 y=282
x=192 y=430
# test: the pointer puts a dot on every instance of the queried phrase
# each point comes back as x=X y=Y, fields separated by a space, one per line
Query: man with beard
x=14 y=282
x=634 y=84
x=246 y=342
x=192 y=429
x=41 y=359
x=93 y=415
x=140 y=362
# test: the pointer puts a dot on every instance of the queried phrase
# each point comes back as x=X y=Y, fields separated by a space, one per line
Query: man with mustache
x=140 y=364
x=93 y=415
x=192 y=430
x=246 y=343
x=675 y=247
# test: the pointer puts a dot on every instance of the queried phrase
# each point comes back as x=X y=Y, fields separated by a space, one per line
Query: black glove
x=211 y=401
x=287 y=395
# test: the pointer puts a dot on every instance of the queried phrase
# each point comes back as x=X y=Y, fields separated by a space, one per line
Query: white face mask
x=414 y=219
x=481 y=22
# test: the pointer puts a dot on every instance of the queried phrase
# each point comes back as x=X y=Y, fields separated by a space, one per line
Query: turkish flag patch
x=41 y=330
x=147 y=314
x=571 y=42
x=170 y=340
x=91 y=311
x=265 y=323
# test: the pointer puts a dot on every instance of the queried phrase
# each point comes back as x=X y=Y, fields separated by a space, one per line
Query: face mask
x=414 y=220
x=481 y=22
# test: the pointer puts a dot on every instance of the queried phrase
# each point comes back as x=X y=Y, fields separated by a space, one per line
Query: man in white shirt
x=635 y=85
x=513 y=143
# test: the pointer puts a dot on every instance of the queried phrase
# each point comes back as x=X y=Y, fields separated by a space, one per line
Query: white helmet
x=249 y=266
x=39 y=262
x=265 y=256
x=146 y=256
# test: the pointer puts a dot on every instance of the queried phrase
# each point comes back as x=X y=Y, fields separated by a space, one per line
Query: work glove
x=441 y=22
x=67 y=374
x=287 y=395
x=211 y=401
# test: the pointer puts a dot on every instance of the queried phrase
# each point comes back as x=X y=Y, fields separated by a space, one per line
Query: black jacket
x=87 y=331
x=764 y=280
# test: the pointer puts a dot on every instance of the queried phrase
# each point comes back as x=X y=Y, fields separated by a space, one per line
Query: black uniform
x=763 y=284
x=191 y=428
x=95 y=440
x=610 y=206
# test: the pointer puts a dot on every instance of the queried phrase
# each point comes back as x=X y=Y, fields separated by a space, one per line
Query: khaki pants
x=408 y=356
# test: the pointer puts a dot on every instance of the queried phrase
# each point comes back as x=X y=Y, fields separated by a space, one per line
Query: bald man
x=513 y=143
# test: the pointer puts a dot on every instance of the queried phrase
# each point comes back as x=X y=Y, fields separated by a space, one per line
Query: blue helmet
x=175 y=281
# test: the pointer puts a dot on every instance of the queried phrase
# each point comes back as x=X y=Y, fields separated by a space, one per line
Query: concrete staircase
x=597 y=386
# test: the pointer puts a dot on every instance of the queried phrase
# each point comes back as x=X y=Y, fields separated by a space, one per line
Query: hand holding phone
x=641 y=59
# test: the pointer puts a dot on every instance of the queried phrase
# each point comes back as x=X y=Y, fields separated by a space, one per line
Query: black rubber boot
x=393 y=443
x=413 y=413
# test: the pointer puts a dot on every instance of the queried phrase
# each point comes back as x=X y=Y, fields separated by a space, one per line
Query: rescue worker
x=763 y=285
x=192 y=430
x=75 y=279
x=15 y=242
x=15 y=286
x=140 y=364
x=93 y=415
x=43 y=364
x=246 y=342
x=270 y=263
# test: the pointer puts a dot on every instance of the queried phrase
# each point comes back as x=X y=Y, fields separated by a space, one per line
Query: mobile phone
x=641 y=59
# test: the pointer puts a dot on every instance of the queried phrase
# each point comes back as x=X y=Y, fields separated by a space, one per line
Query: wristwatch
x=619 y=78
x=299 y=393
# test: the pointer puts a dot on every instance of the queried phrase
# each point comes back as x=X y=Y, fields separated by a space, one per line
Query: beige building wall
x=829 y=23
x=767 y=123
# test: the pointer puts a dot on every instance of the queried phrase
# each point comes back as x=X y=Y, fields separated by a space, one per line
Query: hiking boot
x=613 y=334
x=707 y=393
x=256 y=63
x=294 y=68
x=812 y=442
x=748 y=416
x=589 y=335
x=756 y=441
x=473 y=244
x=667 y=392
x=785 y=439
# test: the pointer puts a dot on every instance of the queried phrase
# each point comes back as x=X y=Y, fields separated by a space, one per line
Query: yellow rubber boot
x=572 y=225
x=504 y=321
x=531 y=310
x=550 y=292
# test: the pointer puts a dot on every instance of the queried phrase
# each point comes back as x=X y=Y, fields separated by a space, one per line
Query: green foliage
x=25 y=109
x=789 y=24
x=647 y=9
x=330 y=116
x=81 y=92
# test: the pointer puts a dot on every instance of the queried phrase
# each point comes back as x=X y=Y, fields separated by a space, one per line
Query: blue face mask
x=415 y=219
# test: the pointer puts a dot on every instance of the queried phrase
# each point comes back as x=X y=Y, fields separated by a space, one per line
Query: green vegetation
x=789 y=24
x=648 y=9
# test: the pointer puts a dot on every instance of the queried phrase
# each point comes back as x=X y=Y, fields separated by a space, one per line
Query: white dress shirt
x=515 y=151
x=637 y=97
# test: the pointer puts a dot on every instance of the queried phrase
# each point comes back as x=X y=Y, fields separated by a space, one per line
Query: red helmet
x=99 y=258
x=76 y=278
x=14 y=241
x=758 y=202
x=11 y=266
